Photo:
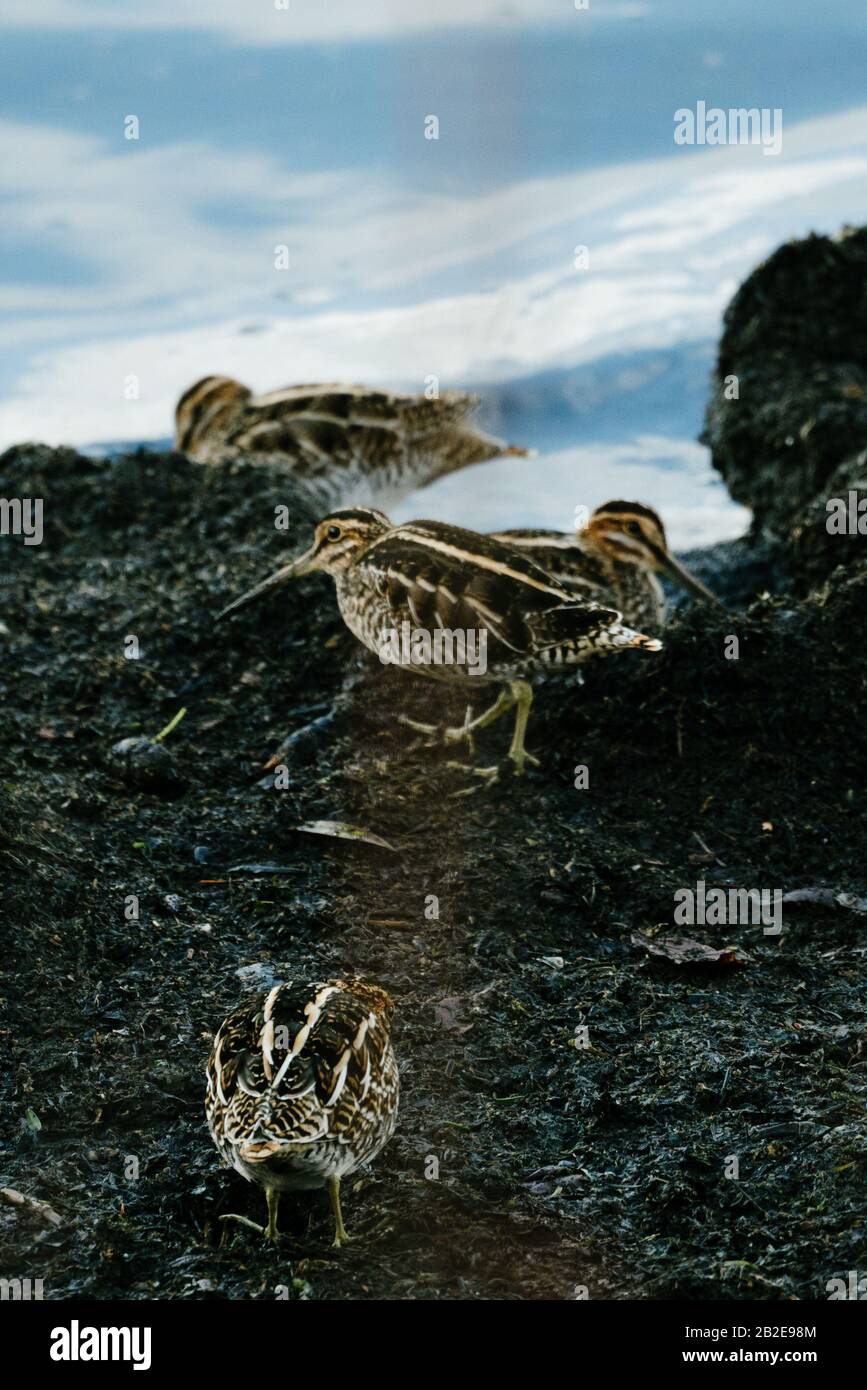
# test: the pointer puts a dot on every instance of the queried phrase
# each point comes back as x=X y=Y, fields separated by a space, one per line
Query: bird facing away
x=432 y=578
x=303 y=1089
x=614 y=558
x=347 y=445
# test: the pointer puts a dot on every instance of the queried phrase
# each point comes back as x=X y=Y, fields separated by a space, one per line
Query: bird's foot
x=461 y=733
x=431 y=731
x=511 y=766
x=487 y=776
x=520 y=760
x=270 y=1233
x=438 y=735
x=382 y=1228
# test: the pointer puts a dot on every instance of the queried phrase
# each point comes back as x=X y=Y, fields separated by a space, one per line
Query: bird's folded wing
x=441 y=577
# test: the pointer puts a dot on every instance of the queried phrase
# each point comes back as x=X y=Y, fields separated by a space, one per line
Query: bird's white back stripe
x=472 y=557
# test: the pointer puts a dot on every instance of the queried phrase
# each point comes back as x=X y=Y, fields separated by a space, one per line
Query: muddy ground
x=525 y=1166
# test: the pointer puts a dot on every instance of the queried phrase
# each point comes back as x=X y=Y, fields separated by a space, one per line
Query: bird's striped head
x=205 y=409
x=630 y=530
x=633 y=534
x=338 y=540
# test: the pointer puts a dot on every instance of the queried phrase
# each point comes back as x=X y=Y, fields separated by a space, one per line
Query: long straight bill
x=293 y=570
x=682 y=575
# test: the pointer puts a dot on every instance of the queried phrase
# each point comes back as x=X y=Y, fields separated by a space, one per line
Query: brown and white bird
x=401 y=589
x=347 y=445
x=303 y=1089
x=614 y=558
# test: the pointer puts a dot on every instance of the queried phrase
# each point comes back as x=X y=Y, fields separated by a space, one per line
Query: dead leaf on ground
x=340 y=830
x=851 y=903
x=682 y=950
x=267 y=868
x=452 y=1012
x=824 y=897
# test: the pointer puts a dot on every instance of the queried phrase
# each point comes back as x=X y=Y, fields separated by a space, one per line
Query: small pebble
x=146 y=765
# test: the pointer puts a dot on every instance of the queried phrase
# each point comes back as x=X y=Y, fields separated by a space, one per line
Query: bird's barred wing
x=560 y=555
x=441 y=577
x=295 y=1066
x=362 y=405
x=526 y=535
x=332 y=426
x=335 y=434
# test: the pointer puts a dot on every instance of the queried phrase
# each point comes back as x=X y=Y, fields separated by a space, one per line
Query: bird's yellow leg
x=522 y=695
x=273 y=1197
x=460 y=732
x=340 y=1236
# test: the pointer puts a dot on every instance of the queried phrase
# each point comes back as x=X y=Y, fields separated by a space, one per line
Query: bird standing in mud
x=303 y=1089
x=344 y=444
x=404 y=590
x=614 y=558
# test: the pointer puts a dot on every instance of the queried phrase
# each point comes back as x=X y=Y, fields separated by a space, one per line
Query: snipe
x=345 y=444
x=303 y=1088
x=615 y=558
x=432 y=578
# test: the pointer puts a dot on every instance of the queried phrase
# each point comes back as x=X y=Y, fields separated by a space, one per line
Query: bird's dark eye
x=633 y=528
x=333 y=533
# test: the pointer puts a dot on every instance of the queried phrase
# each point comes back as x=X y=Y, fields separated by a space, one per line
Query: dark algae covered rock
x=787 y=418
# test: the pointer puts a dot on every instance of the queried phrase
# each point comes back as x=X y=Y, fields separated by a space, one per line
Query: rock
x=795 y=337
x=736 y=570
x=815 y=549
x=146 y=765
